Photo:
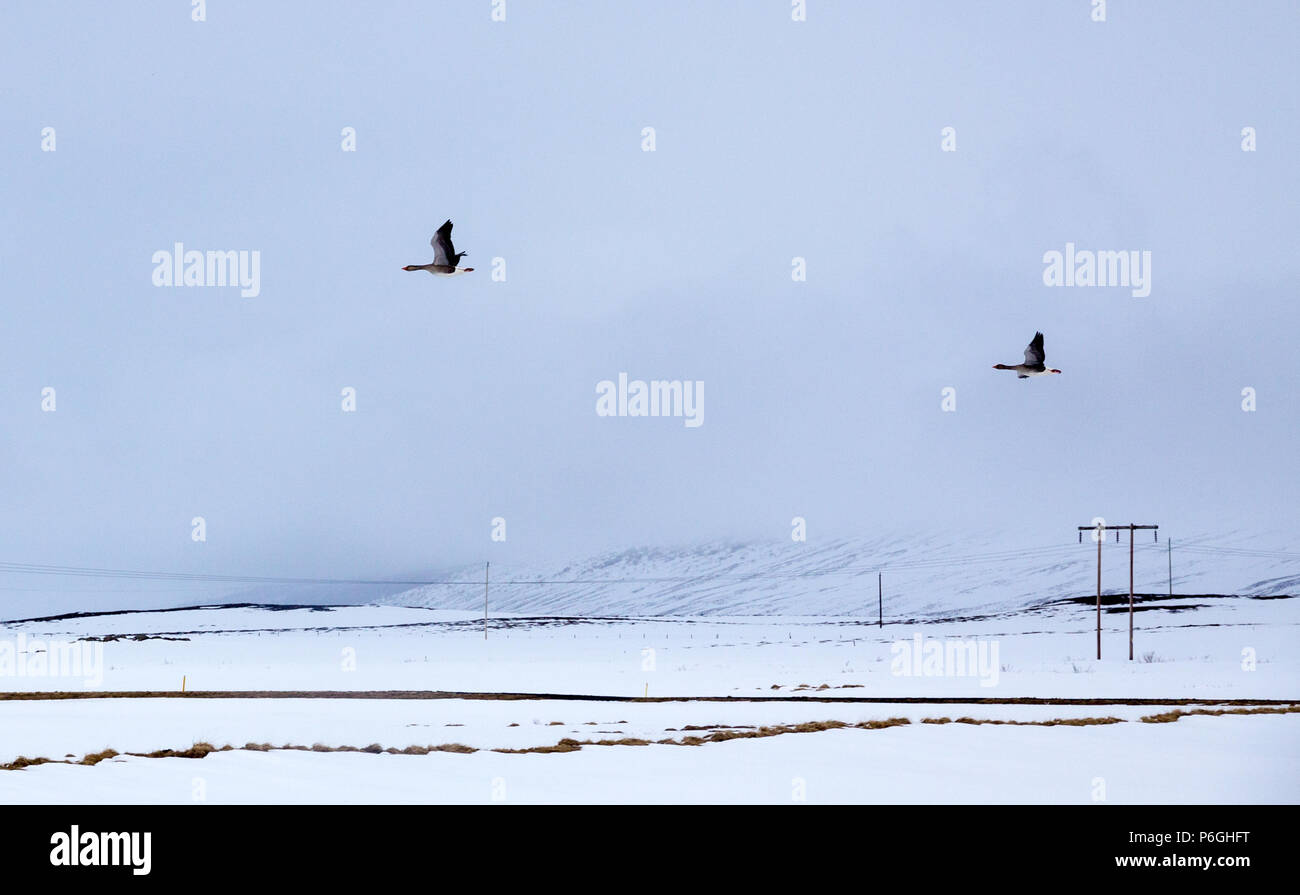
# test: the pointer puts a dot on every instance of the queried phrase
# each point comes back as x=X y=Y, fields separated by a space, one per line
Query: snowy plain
x=1215 y=648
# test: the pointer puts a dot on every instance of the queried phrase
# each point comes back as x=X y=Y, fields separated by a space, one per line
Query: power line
x=1240 y=551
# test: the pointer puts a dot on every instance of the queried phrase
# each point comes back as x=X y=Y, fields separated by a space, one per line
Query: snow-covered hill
x=922 y=577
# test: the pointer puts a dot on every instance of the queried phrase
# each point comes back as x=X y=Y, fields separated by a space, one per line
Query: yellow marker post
x=182 y=683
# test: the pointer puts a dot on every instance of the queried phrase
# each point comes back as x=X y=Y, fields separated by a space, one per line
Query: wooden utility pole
x=1130 y=593
x=1101 y=533
x=486 y=566
x=880 y=600
x=1100 y=529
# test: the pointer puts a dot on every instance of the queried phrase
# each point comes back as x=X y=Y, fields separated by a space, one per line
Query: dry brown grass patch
x=23 y=761
x=565 y=745
x=1174 y=715
x=94 y=758
x=198 y=750
x=1050 y=722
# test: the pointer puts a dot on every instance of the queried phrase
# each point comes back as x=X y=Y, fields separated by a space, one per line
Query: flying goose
x=445 y=257
x=1034 y=361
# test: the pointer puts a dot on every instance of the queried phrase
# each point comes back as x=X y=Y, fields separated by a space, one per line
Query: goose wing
x=443 y=251
x=1034 y=354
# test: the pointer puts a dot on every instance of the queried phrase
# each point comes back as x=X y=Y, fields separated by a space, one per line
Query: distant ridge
x=923 y=577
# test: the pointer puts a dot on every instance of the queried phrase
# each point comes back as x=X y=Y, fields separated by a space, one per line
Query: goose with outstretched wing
x=1035 y=361
x=445 y=256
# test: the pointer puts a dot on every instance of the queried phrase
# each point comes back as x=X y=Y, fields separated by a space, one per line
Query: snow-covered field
x=1215 y=648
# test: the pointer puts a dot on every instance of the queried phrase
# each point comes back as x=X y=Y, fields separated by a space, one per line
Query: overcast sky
x=774 y=139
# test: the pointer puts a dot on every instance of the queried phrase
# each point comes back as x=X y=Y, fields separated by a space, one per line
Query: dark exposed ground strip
x=37 y=695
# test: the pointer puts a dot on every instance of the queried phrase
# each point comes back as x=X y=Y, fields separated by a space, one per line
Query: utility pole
x=1101 y=533
x=486 y=566
x=1100 y=529
x=1169 y=549
x=1130 y=593
x=880 y=600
